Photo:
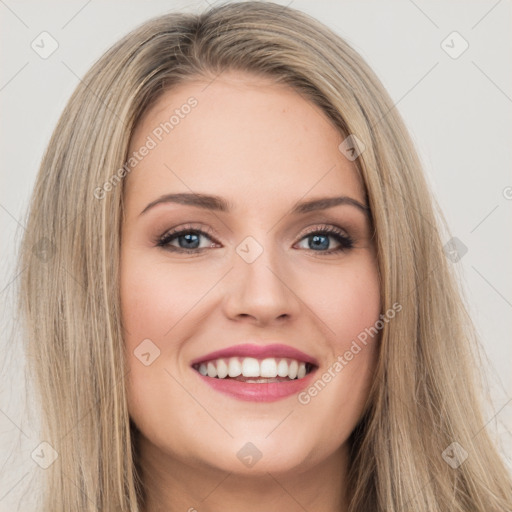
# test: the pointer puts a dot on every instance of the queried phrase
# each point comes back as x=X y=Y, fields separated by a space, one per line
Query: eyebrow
x=216 y=203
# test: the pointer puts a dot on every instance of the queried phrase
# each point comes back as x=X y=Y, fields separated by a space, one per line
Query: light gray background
x=459 y=112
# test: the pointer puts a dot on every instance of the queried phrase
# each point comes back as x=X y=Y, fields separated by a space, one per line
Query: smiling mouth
x=255 y=371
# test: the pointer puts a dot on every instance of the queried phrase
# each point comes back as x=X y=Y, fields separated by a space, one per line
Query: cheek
x=155 y=300
x=335 y=401
x=155 y=297
x=150 y=307
x=346 y=300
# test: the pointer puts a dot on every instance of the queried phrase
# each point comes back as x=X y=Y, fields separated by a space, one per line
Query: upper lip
x=258 y=351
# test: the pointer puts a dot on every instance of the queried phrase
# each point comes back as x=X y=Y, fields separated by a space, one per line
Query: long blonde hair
x=425 y=395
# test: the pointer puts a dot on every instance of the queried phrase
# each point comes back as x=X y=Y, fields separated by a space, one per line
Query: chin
x=256 y=455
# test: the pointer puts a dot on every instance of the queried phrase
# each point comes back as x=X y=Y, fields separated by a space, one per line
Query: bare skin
x=263 y=148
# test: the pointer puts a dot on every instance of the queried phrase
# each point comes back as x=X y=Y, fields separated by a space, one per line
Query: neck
x=176 y=486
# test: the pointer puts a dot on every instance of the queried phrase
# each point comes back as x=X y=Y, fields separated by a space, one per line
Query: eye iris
x=188 y=237
x=316 y=238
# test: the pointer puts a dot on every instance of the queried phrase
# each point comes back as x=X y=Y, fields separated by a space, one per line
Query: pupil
x=188 y=238
x=322 y=246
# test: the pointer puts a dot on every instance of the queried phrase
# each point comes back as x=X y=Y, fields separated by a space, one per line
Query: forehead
x=242 y=137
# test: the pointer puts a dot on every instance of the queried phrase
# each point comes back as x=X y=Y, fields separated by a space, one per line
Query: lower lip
x=258 y=392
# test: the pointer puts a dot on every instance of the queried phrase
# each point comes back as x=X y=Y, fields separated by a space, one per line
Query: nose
x=261 y=291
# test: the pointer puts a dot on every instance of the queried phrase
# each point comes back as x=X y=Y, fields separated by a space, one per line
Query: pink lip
x=263 y=392
x=258 y=392
x=258 y=351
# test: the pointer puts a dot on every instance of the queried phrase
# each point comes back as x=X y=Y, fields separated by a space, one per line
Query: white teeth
x=282 y=368
x=250 y=367
x=235 y=367
x=268 y=368
x=292 y=369
x=222 y=369
x=212 y=370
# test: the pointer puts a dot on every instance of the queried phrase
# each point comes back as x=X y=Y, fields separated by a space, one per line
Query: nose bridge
x=258 y=283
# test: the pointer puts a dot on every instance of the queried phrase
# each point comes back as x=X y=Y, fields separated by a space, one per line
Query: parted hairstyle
x=427 y=390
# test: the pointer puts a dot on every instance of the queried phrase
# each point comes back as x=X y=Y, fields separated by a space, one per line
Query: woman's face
x=276 y=287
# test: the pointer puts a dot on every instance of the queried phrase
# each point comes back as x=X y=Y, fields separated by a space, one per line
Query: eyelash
x=345 y=241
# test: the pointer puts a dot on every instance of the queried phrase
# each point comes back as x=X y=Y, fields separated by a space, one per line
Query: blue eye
x=319 y=240
x=189 y=240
